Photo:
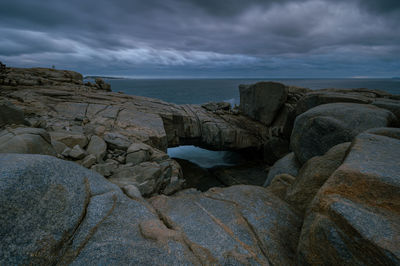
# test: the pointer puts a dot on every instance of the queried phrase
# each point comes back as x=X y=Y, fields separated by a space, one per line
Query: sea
x=198 y=91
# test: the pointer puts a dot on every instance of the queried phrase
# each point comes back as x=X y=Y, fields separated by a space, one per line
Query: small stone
x=132 y=191
x=58 y=146
x=66 y=152
x=121 y=159
x=77 y=153
x=97 y=147
x=89 y=160
x=138 y=153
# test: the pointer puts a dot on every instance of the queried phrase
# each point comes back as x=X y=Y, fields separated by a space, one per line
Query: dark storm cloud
x=254 y=37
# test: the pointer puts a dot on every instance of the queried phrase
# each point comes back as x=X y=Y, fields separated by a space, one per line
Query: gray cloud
x=252 y=38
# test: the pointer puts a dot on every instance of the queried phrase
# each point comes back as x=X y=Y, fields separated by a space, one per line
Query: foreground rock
x=325 y=126
x=239 y=225
x=55 y=212
x=355 y=217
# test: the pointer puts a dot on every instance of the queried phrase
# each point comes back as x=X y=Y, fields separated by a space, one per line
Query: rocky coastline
x=85 y=178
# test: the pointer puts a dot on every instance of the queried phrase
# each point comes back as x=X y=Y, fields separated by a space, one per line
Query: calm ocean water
x=197 y=91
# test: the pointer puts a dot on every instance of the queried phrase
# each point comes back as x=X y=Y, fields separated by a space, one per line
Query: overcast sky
x=204 y=38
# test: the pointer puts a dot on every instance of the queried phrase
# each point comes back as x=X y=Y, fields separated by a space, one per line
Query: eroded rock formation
x=333 y=200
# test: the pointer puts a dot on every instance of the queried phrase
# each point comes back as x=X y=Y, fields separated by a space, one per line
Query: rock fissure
x=228 y=230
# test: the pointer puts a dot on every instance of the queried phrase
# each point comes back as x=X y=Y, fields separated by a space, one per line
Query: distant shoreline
x=103 y=77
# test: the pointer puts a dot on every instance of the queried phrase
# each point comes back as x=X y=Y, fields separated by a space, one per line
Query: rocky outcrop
x=327 y=125
x=62 y=102
x=355 y=216
x=40 y=77
x=54 y=212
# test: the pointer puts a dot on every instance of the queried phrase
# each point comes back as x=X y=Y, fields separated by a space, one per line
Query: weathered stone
x=88 y=161
x=325 y=126
x=355 y=217
x=58 y=146
x=316 y=98
x=239 y=225
x=77 y=153
x=102 y=85
x=97 y=147
x=262 y=101
x=26 y=140
x=69 y=138
x=105 y=169
x=213 y=107
x=287 y=165
x=138 y=153
x=146 y=176
x=10 y=114
x=117 y=141
x=132 y=191
x=388 y=104
x=55 y=212
x=313 y=175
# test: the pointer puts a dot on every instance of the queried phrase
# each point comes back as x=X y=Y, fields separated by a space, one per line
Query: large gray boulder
x=26 y=140
x=263 y=100
x=389 y=104
x=56 y=212
x=239 y=225
x=327 y=125
x=287 y=165
x=355 y=217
